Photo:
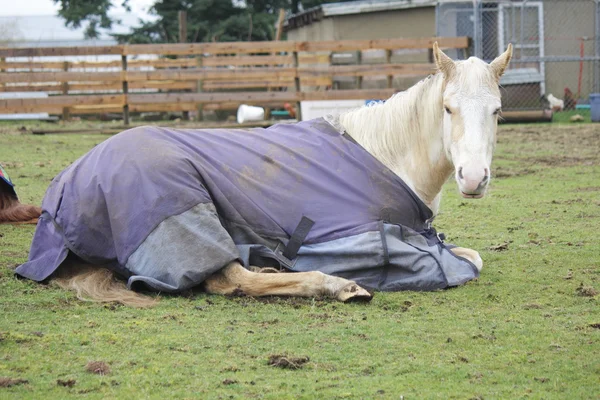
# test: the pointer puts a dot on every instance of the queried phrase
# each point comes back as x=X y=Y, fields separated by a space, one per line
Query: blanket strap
x=287 y=254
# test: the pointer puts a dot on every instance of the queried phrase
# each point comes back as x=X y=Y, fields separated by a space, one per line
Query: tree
x=208 y=20
x=10 y=33
x=94 y=12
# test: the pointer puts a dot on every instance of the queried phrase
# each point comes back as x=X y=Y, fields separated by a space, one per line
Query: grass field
x=528 y=328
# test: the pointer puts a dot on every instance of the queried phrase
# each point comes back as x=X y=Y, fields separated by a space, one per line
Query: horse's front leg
x=235 y=277
x=470 y=255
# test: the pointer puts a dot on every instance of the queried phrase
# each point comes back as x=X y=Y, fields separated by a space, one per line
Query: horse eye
x=447 y=110
x=497 y=111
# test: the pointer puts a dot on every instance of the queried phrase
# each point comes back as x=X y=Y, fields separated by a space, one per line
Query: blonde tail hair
x=94 y=283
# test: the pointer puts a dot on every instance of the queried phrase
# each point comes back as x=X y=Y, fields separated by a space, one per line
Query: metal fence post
x=597 y=49
x=477 y=45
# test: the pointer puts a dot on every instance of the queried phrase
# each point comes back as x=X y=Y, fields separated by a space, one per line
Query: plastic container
x=595 y=106
x=250 y=113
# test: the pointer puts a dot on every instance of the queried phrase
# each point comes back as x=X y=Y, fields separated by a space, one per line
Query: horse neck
x=405 y=134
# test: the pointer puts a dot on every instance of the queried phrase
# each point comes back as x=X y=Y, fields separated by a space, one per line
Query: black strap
x=297 y=238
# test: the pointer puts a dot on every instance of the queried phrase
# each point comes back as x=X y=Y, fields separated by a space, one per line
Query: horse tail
x=94 y=283
x=13 y=211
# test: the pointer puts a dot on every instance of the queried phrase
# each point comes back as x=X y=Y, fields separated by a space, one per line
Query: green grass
x=564 y=116
x=525 y=329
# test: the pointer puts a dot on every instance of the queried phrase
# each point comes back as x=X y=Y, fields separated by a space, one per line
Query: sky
x=47 y=7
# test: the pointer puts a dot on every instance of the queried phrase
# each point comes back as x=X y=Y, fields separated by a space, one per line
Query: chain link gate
x=556 y=46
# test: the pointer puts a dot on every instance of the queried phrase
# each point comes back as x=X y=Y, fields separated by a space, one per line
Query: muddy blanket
x=167 y=207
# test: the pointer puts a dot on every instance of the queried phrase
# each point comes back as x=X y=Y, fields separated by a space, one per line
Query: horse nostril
x=486 y=176
x=460 y=175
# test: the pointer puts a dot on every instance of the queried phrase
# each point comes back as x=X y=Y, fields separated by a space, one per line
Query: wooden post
x=182 y=26
x=65 y=91
x=2 y=61
x=359 y=79
x=388 y=60
x=199 y=89
x=280 y=21
x=183 y=39
x=125 y=90
x=297 y=86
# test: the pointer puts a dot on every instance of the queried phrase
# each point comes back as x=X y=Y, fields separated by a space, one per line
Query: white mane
x=404 y=133
x=409 y=133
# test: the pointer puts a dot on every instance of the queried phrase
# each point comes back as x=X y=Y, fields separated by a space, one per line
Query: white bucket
x=247 y=113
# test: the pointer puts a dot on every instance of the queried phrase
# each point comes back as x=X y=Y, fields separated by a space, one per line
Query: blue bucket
x=595 y=106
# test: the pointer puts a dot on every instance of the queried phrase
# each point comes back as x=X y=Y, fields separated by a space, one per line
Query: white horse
x=445 y=124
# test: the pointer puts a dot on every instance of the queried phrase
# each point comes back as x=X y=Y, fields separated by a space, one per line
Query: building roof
x=314 y=14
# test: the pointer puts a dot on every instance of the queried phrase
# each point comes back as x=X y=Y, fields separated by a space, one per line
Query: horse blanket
x=165 y=208
x=6 y=185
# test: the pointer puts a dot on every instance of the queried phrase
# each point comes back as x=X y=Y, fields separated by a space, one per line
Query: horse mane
x=388 y=130
x=403 y=131
x=11 y=210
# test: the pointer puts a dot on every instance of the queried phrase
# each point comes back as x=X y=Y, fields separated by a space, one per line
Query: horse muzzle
x=473 y=182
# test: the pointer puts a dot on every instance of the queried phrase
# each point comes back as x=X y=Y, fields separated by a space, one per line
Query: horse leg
x=235 y=278
x=470 y=255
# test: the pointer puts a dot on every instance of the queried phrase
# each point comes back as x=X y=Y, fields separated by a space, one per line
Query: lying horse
x=12 y=211
x=344 y=202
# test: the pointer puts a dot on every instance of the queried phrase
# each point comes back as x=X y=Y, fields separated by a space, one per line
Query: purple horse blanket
x=165 y=208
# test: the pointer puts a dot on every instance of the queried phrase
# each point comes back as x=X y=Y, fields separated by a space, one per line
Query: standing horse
x=346 y=203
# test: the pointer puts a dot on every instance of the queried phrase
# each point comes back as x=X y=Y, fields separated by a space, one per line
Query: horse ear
x=444 y=63
x=501 y=62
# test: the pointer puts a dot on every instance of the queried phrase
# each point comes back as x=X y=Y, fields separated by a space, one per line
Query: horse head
x=471 y=105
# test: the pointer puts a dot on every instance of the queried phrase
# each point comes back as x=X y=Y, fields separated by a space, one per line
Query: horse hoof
x=353 y=292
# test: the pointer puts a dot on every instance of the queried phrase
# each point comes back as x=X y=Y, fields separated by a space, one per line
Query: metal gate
x=556 y=45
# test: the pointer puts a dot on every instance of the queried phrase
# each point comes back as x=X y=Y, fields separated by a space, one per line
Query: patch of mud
x=66 y=383
x=563 y=161
x=588 y=189
x=9 y=382
x=287 y=362
x=586 y=291
x=502 y=173
x=555 y=145
x=500 y=247
x=98 y=367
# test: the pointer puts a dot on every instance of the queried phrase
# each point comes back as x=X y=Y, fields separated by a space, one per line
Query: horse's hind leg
x=236 y=278
x=470 y=255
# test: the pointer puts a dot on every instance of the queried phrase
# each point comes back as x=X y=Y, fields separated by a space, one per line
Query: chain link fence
x=556 y=46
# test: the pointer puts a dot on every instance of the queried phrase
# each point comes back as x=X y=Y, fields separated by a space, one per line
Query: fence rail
x=207 y=75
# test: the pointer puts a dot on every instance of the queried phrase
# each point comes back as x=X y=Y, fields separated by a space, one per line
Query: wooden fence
x=186 y=77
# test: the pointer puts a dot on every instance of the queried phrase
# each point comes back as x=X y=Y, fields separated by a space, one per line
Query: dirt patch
x=595 y=326
x=228 y=382
x=588 y=189
x=501 y=173
x=532 y=306
x=552 y=145
x=563 y=161
x=66 y=383
x=287 y=362
x=237 y=292
x=8 y=382
x=586 y=291
x=500 y=247
x=98 y=367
